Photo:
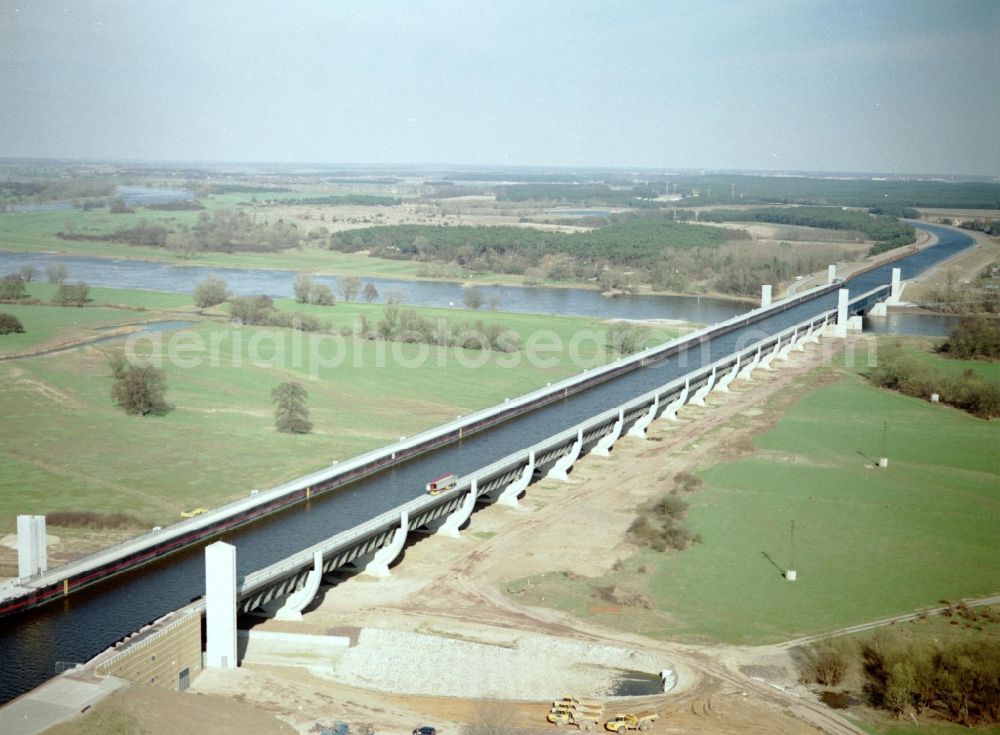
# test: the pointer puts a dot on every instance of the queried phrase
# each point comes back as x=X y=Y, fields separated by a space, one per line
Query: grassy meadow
x=66 y=447
x=36 y=232
x=869 y=543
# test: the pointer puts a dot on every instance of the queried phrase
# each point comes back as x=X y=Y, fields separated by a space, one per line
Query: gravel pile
x=530 y=667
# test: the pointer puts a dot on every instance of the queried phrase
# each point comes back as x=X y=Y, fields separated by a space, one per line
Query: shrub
x=827 y=662
x=687 y=482
x=321 y=295
x=139 y=390
x=959 y=680
x=75 y=295
x=975 y=337
x=9 y=324
x=210 y=292
x=12 y=287
x=660 y=527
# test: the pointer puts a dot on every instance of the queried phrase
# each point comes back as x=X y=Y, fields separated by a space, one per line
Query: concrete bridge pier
x=220 y=606
x=816 y=331
x=766 y=360
x=747 y=371
x=723 y=385
x=784 y=351
x=455 y=520
x=607 y=442
x=670 y=412
x=296 y=602
x=513 y=491
x=32 y=546
x=701 y=393
x=638 y=429
x=379 y=565
x=800 y=343
x=565 y=463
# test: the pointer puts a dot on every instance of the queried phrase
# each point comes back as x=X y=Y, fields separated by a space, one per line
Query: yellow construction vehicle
x=585 y=714
x=642 y=721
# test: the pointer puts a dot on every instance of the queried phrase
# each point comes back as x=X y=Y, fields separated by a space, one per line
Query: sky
x=894 y=86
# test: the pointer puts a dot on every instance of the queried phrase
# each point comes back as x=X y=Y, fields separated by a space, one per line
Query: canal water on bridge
x=80 y=626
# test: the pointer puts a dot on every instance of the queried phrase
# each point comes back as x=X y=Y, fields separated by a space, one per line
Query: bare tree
x=627 y=338
x=369 y=292
x=349 y=287
x=28 y=273
x=291 y=416
x=75 y=295
x=321 y=295
x=138 y=390
x=302 y=288
x=472 y=297
x=57 y=274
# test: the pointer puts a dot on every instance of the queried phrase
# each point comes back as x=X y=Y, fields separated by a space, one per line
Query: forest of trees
x=581 y=194
x=364 y=200
x=224 y=230
x=887 y=232
x=635 y=243
x=20 y=192
x=839 y=192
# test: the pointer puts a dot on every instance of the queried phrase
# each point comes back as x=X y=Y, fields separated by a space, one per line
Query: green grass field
x=869 y=543
x=50 y=326
x=35 y=232
x=66 y=447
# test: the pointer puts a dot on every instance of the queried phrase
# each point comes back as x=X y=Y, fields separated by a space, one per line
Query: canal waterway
x=80 y=626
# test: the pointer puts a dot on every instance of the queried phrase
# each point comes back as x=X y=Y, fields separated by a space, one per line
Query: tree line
x=968 y=390
x=887 y=232
x=223 y=230
x=635 y=243
x=958 y=681
x=737 y=189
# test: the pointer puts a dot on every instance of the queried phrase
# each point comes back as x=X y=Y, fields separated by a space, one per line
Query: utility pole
x=791 y=575
x=883 y=460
